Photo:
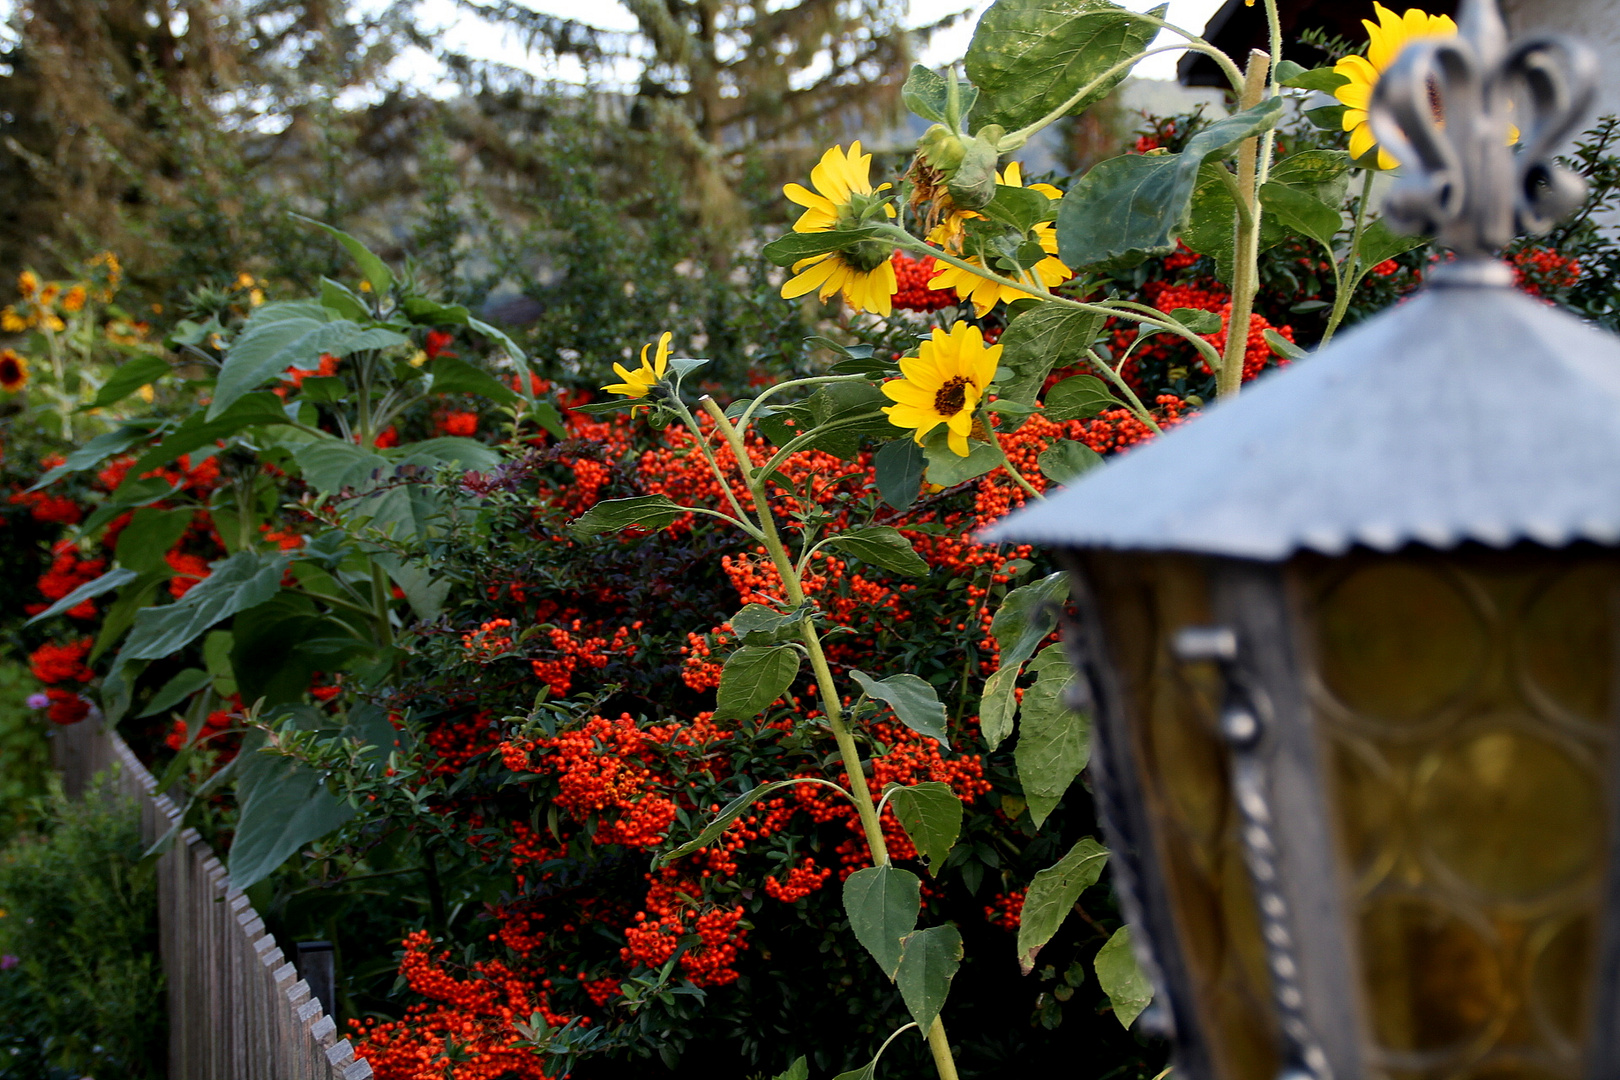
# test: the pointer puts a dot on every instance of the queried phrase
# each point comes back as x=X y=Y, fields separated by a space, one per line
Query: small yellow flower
x=11 y=322
x=943 y=384
x=109 y=276
x=638 y=383
x=255 y=297
x=418 y=358
x=52 y=323
x=146 y=393
x=244 y=280
x=73 y=300
x=27 y=284
x=48 y=294
x=1050 y=271
x=844 y=199
x=1385 y=40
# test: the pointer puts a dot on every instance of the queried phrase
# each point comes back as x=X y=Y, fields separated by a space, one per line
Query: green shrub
x=81 y=992
x=25 y=752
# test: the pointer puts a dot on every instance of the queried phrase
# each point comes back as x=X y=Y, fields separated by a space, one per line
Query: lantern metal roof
x=1470 y=412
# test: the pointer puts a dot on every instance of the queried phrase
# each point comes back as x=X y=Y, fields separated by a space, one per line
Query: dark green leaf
x=1197 y=320
x=1285 y=70
x=1024 y=619
x=925 y=94
x=1052 y=894
x=1066 y=459
x=931 y=814
x=757 y=624
x=1302 y=213
x=753 y=678
x=882 y=546
x=242 y=581
x=277 y=646
x=176 y=690
x=1054 y=741
x=1328 y=117
x=1121 y=979
x=1128 y=209
x=611 y=515
x=373 y=269
x=130 y=377
x=425 y=312
x=1324 y=79
x=789 y=249
x=107 y=582
x=799 y=1070
x=928 y=962
x=94 y=452
x=1282 y=347
x=1022 y=208
x=150 y=534
x=729 y=813
x=899 y=466
x=135 y=596
x=882 y=903
x=546 y=415
x=198 y=430
x=947 y=469
x=342 y=301
x=1028 y=59
x=331 y=465
x=1379 y=243
x=452 y=376
x=1047 y=335
x=914 y=701
x=1080 y=398
x=269 y=350
x=283 y=805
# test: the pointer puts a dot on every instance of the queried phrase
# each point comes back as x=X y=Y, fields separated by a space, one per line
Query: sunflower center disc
x=949 y=399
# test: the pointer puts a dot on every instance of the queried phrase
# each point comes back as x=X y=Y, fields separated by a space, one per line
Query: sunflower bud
x=941 y=148
x=972 y=183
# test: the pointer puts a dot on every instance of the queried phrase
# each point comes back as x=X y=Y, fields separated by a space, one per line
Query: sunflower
x=639 y=382
x=984 y=293
x=13 y=371
x=844 y=199
x=1385 y=40
x=943 y=384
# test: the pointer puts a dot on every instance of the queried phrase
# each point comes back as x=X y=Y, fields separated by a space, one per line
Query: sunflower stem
x=828 y=688
x=1346 y=272
x=1246 y=236
x=743 y=520
x=1006 y=462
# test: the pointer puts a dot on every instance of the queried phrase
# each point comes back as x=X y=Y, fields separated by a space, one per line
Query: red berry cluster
x=912 y=275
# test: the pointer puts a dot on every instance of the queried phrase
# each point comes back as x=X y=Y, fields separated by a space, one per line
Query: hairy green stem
x=940 y=1047
x=743 y=520
x=1246 y=237
x=812 y=640
x=1347 y=272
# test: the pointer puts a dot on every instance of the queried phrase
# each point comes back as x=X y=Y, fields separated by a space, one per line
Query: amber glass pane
x=1563 y=629
x=1513 y=814
x=1473 y=689
x=1433 y=980
x=1397 y=642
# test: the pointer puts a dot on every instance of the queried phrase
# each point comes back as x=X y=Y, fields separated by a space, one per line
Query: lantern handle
x=1445 y=109
x=1245 y=718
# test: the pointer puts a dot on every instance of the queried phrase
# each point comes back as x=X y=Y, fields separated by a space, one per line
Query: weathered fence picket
x=237 y=1009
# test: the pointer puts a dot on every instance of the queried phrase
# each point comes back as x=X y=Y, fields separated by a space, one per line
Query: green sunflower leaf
x=753 y=678
x=611 y=515
x=1052 y=894
x=789 y=249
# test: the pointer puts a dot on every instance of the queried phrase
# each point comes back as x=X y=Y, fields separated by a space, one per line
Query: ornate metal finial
x=1446 y=108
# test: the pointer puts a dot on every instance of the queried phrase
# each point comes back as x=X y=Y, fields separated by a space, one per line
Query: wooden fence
x=237 y=1008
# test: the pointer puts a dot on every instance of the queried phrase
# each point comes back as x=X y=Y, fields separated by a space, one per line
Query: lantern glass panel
x=1181 y=764
x=1465 y=702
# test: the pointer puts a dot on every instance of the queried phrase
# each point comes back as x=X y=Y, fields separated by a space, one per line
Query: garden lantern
x=1350 y=642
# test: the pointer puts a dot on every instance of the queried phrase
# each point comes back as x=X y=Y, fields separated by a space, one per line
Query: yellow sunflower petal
x=1012 y=175
x=958 y=444
x=661 y=362
x=836 y=280
x=1357 y=95
x=810 y=279
x=1361 y=140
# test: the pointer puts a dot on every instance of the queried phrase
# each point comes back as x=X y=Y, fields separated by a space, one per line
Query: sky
x=471 y=35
